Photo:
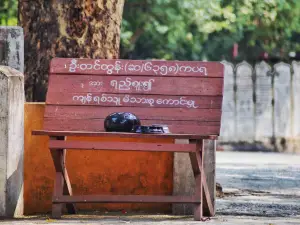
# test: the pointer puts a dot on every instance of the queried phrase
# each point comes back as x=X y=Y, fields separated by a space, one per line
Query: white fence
x=261 y=102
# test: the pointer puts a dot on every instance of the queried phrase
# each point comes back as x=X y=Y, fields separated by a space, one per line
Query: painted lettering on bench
x=127 y=67
x=128 y=99
x=127 y=84
x=176 y=102
x=86 y=99
x=96 y=83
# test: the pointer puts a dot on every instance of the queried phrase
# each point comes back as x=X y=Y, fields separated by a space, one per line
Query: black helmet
x=121 y=122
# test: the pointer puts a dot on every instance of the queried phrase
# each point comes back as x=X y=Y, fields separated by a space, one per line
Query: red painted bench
x=186 y=96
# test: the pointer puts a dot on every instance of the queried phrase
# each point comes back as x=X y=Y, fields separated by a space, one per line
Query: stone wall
x=261 y=107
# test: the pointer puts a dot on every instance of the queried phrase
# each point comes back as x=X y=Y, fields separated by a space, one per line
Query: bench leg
x=209 y=166
x=198 y=208
x=62 y=183
x=202 y=191
x=58 y=190
x=71 y=209
x=57 y=157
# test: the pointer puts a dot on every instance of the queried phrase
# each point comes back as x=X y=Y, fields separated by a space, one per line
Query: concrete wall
x=11 y=141
x=261 y=107
x=93 y=172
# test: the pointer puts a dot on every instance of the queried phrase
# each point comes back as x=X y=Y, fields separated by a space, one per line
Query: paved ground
x=160 y=220
x=260 y=188
x=262 y=184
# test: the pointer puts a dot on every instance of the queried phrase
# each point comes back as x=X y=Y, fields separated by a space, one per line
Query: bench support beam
x=125 y=199
x=62 y=184
x=121 y=146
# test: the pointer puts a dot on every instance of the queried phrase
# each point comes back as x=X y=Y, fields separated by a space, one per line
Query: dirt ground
x=259 y=188
x=155 y=219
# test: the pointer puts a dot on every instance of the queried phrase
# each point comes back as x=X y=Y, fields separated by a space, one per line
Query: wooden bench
x=186 y=96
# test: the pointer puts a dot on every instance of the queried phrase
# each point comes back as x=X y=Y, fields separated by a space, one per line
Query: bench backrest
x=186 y=96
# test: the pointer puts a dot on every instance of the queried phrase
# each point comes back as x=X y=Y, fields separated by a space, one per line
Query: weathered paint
x=93 y=172
x=38 y=168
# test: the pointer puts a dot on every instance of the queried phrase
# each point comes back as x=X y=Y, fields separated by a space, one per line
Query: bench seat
x=123 y=135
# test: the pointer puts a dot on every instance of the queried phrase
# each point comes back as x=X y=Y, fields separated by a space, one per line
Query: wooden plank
x=59 y=157
x=122 y=146
x=204 y=189
x=96 y=112
x=209 y=167
x=96 y=123
x=124 y=199
x=136 y=67
x=140 y=85
x=57 y=207
x=198 y=208
x=183 y=180
x=134 y=100
x=122 y=135
x=68 y=191
x=98 y=126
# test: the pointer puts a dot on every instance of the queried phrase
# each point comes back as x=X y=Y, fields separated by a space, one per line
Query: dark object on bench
x=121 y=122
x=153 y=129
x=186 y=96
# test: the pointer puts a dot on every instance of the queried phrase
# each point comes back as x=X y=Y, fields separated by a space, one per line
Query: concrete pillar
x=11 y=141
x=227 y=131
x=263 y=104
x=12 y=47
x=245 y=113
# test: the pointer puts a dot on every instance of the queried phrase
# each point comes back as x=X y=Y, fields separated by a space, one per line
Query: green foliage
x=201 y=29
x=8 y=12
